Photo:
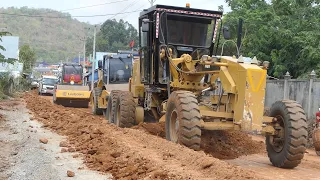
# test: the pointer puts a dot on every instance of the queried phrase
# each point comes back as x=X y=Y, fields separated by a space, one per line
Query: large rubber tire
x=289 y=152
x=111 y=109
x=95 y=109
x=125 y=110
x=183 y=119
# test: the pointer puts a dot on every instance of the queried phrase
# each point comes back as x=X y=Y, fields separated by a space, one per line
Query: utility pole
x=79 y=59
x=151 y=2
x=94 y=57
x=92 y=71
x=84 y=47
x=84 y=50
x=94 y=43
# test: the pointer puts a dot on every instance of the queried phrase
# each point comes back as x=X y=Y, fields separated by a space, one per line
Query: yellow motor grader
x=177 y=66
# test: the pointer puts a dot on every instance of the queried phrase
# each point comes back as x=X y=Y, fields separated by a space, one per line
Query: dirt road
x=22 y=156
x=142 y=153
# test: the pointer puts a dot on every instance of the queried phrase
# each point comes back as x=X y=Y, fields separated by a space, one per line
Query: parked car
x=46 y=85
x=34 y=84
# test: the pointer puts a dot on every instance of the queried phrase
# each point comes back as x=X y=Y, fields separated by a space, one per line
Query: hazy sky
x=124 y=6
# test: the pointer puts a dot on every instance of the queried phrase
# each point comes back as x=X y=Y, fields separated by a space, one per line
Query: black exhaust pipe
x=239 y=34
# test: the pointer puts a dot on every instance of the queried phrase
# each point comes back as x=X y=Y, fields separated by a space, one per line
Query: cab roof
x=49 y=77
x=70 y=64
x=182 y=10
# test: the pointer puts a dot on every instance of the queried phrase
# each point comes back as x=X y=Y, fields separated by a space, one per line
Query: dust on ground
x=23 y=156
x=129 y=153
x=5 y=148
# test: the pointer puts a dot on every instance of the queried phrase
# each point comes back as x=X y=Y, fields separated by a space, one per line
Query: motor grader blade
x=72 y=96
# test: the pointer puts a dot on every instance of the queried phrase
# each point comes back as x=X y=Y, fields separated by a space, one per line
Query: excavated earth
x=141 y=152
x=132 y=153
x=219 y=144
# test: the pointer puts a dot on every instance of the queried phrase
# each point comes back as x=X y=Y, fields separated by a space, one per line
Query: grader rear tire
x=125 y=110
x=95 y=109
x=111 y=109
x=183 y=119
x=286 y=150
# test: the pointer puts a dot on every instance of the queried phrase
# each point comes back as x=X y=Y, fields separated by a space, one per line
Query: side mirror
x=226 y=33
x=145 y=25
x=100 y=64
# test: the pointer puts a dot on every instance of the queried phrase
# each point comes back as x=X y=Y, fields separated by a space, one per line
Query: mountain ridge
x=55 y=36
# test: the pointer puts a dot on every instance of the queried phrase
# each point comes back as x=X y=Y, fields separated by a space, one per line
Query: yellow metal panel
x=205 y=108
x=256 y=78
x=248 y=101
x=72 y=94
x=267 y=119
x=136 y=87
x=102 y=101
x=228 y=125
x=163 y=118
x=227 y=81
x=211 y=113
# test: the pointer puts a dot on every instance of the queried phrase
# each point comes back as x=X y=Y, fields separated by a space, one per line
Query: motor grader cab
x=177 y=65
x=70 y=91
x=115 y=69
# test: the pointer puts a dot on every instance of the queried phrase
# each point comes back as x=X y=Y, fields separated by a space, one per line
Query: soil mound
x=219 y=144
x=129 y=153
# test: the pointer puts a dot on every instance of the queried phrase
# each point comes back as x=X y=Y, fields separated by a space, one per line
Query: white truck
x=46 y=84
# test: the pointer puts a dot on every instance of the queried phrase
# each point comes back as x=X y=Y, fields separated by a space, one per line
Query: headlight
x=71 y=82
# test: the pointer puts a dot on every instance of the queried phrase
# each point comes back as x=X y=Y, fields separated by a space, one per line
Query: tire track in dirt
x=129 y=153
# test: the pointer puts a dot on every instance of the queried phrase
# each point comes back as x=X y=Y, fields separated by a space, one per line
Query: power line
x=151 y=2
x=125 y=8
x=121 y=13
x=123 y=17
x=94 y=5
x=39 y=16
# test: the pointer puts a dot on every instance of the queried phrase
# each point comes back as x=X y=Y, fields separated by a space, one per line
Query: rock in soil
x=70 y=174
x=63 y=144
x=43 y=140
x=63 y=150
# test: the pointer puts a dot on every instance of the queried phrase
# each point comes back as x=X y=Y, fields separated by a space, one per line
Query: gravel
x=25 y=157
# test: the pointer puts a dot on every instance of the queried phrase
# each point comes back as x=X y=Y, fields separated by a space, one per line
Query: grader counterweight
x=177 y=65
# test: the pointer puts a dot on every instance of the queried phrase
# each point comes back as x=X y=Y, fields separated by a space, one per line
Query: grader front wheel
x=111 y=109
x=287 y=147
x=183 y=119
x=125 y=110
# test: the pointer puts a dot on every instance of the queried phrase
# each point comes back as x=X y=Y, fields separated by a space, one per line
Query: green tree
x=284 y=32
x=113 y=36
x=28 y=57
x=1 y=47
x=52 y=39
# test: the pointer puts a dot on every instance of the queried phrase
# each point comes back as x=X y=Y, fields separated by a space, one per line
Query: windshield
x=49 y=81
x=120 y=70
x=72 y=69
x=190 y=31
